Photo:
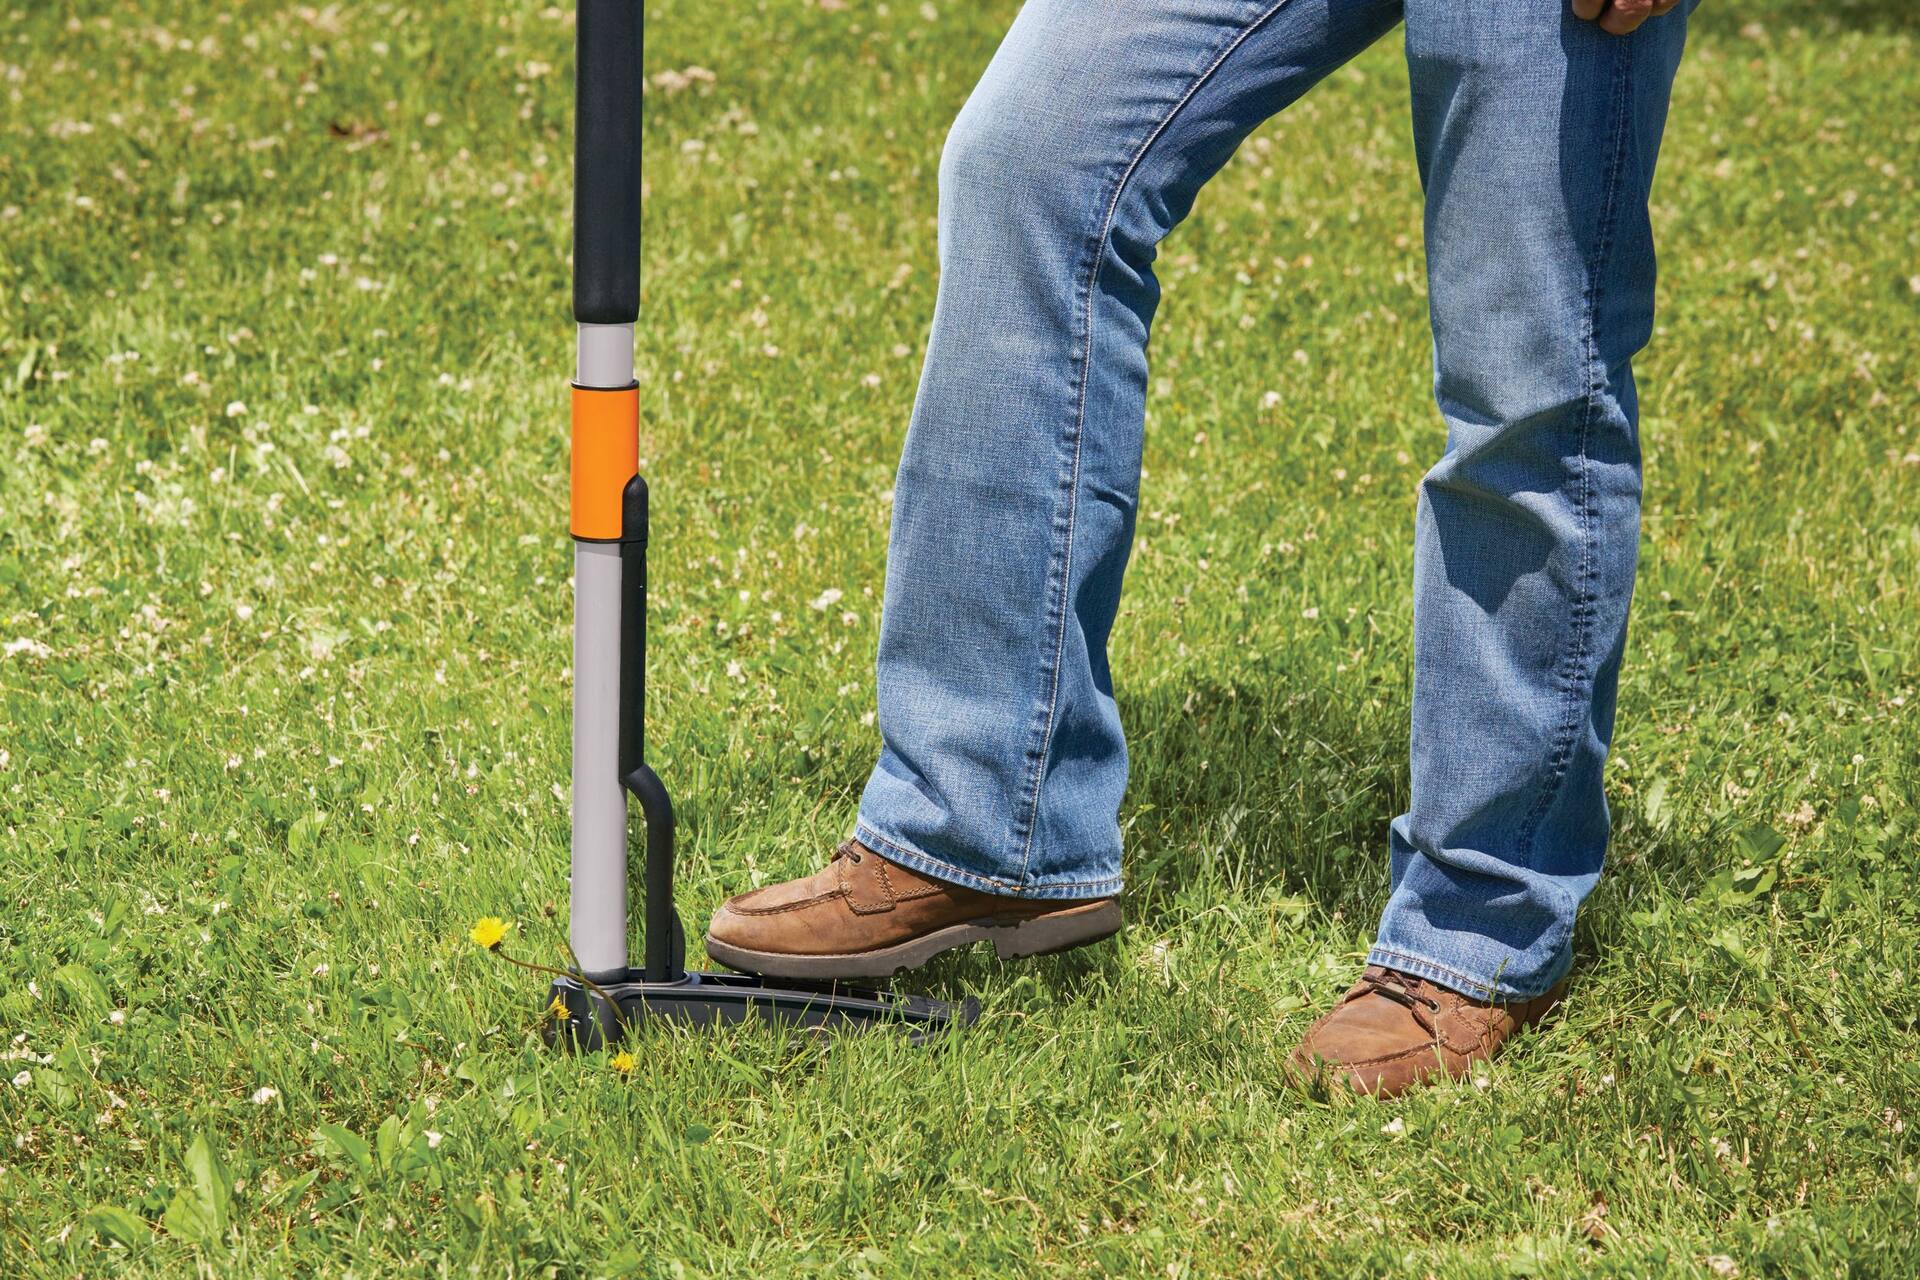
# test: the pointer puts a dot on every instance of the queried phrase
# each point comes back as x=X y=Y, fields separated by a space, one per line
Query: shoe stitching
x=1422 y=1051
x=880 y=908
x=1487 y=1044
x=1486 y=1040
x=791 y=906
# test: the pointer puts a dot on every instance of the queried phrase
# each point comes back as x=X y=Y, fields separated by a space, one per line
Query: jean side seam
x=1560 y=756
x=1102 y=238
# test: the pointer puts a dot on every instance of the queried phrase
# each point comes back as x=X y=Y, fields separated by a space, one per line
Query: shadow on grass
x=1261 y=786
x=1265 y=780
x=1272 y=785
x=1264 y=783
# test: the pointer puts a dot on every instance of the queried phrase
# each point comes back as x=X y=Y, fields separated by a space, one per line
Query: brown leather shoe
x=1394 y=1030
x=862 y=916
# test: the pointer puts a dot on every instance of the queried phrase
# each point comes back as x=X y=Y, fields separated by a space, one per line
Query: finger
x=1588 y=9
x=1624 y=15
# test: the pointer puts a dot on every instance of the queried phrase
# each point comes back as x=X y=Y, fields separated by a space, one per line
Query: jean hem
x=1476 y=988
x=925 y=863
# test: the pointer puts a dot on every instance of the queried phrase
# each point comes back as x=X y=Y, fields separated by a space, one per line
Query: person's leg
x=1087 y=139
x=1537 y=133
x=993 y=810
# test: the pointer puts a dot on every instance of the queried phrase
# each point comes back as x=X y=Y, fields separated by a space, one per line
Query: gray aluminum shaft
x=599 y=890
x=603 y=356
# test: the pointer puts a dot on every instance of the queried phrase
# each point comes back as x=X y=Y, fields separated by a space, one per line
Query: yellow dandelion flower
x=489 y=932
x=558 y=1010
x=622 y=1062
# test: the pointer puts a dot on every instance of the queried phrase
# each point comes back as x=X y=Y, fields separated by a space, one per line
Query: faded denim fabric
x=1086 y=141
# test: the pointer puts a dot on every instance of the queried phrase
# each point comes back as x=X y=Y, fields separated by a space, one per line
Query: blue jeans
x=1085 y=143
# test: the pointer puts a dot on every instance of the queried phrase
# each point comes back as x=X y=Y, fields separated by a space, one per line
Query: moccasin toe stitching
x=739 y=907
x=862 y=916
x=1394 y=1031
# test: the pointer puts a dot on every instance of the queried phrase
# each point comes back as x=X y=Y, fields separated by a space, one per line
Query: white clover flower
x=236 y=408
x=263 y=1095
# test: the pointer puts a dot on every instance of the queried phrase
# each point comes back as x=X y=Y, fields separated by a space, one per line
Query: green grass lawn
x=284 y=346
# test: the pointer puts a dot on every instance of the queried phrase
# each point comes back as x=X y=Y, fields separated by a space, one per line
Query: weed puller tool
x=606 y=997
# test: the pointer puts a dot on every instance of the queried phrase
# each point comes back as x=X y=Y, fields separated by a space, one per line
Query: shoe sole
x=1038 y=936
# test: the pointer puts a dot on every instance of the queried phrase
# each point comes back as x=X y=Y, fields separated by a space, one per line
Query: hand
x=1621 y=16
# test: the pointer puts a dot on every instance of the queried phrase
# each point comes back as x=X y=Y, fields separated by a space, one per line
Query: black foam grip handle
x=606 y=163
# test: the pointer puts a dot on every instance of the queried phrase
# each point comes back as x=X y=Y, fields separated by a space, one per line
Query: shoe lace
x=849 y=850
x=1402 y=989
